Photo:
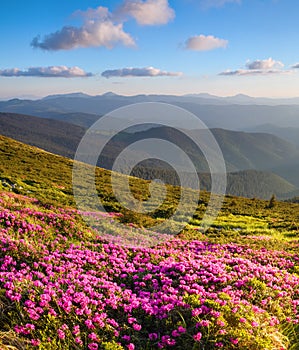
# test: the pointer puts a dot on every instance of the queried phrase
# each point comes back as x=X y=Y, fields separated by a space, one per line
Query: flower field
x=62 y=286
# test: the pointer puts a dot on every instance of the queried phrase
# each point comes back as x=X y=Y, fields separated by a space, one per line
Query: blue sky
x=222 y=47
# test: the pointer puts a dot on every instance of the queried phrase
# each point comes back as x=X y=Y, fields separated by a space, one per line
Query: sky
x=129 y=47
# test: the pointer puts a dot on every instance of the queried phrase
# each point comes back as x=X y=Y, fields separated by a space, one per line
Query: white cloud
x=264 y=64
x=98 y=29
x=138 y=72
x=259 y=67
x=102 y=28
x=51 y=71
x=295 y=65
x=205 y=43
x=99 y=13
x=217 y=3
x=149 y=12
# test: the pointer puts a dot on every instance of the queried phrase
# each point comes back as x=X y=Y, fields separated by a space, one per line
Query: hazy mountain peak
x=242 y=96
x=110 y=94
x=72 y=95
x=202 y=94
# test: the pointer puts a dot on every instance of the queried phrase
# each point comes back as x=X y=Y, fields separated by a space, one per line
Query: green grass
x=30 y=171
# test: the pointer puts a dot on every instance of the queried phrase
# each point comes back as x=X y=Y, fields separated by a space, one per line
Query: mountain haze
x=238 y=113
x=242 y=152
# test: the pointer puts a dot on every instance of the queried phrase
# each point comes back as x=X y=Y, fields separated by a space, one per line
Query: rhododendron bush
x=64 y=287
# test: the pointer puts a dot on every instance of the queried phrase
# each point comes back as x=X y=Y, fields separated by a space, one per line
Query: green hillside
x=51 y=135
x=245 y=183
x=253 y=150
x=241 y=151
x=289 y=171
x=30 y=171
x=252 y=183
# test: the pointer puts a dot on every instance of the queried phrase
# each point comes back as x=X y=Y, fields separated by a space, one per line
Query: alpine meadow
x=149 y=175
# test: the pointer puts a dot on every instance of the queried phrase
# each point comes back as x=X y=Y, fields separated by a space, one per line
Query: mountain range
x=257 y=136
x=256 y=162
x=235 y=113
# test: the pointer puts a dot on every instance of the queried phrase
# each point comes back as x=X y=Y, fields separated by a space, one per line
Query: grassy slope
x=31 y=171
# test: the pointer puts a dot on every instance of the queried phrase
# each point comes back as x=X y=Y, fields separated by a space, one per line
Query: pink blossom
x=137 y=327
x=197 y=336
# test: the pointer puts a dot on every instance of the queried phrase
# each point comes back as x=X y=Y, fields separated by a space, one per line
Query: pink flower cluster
x=92 y=292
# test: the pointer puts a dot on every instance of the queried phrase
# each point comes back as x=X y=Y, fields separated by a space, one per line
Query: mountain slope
x=259 y=151
x=46 y=108
x=241 y=150
x=290 y=134
x=51 y=135
x=245 y=183
x=289 y=171
x=50 y=175
x=251 y=183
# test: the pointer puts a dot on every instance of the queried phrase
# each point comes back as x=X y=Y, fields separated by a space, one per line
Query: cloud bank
x=102 y=28
x=252 y=72
x=259 y=67
x=205 y=43
x=139 y=72
x=49 y=72
x=295 y=66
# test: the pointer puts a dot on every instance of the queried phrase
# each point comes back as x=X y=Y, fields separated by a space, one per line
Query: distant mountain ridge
x=245 y=99
x=237 y=113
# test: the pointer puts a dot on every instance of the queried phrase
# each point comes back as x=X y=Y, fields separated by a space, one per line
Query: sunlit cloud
x=259 y=67
x=102 y=28
x=205 y=43
x=97 y=30
x=139 y=72
x=49 y=72
x=150 y=12
x=264 y=64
